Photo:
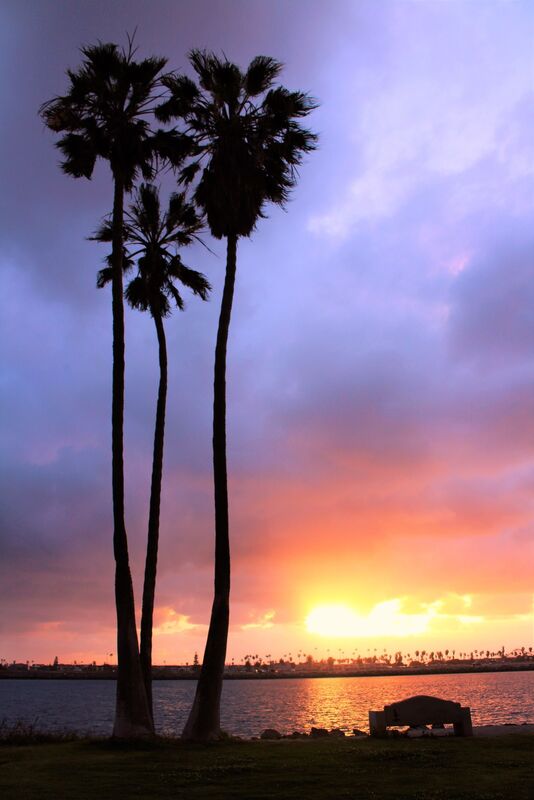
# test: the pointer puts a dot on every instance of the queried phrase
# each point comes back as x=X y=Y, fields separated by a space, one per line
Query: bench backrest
x=423 y=710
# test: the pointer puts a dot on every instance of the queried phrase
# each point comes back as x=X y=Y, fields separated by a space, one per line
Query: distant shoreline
x=171 y=673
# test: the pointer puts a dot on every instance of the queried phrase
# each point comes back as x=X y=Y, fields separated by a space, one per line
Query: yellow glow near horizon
x=385 y=619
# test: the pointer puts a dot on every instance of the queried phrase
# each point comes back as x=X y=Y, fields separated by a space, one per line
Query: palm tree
x=105 y=114
x=155 y=239
x=248 y=144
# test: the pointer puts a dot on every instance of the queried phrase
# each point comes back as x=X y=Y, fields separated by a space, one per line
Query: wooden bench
x=422 y=710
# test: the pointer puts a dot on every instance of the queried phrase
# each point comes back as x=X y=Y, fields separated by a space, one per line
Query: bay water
x=249 y=706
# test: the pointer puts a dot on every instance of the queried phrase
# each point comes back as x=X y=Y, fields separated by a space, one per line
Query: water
x=249 y=706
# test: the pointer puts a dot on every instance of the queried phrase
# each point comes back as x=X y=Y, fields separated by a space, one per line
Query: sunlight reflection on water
x=249 y=706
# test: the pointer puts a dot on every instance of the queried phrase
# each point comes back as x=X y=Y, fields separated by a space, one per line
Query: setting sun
x=385 y=619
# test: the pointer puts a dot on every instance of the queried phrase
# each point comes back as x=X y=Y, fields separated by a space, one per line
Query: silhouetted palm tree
x=105 y=114
x=249 y=143
x=153 y=239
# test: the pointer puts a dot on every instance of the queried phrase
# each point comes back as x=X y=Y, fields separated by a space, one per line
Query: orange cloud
x=168 y=621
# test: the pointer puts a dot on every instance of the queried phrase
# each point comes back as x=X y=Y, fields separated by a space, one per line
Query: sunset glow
x=385 y=619
x=380 y=379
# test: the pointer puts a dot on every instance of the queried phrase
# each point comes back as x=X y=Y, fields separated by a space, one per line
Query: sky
x=381 y=354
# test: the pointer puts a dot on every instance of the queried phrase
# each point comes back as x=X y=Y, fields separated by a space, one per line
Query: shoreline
x=31 y=735
x=171 y=673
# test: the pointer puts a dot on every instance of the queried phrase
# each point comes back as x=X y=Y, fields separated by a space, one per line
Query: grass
x=22 y=732
x=440 y=769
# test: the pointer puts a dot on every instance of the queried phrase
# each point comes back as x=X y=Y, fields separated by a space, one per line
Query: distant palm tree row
x=377 y=656
x=237 y=139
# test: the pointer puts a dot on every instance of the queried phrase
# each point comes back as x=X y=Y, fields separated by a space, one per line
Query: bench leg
x=377 y=723
x=465 y=726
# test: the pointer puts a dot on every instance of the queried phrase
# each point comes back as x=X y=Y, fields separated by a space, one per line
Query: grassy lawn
x=439 y=769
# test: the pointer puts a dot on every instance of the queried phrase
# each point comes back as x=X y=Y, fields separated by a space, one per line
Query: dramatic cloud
x=381 y=356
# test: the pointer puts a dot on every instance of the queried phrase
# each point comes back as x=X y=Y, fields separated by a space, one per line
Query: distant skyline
x=338 y=657
x=381 y=360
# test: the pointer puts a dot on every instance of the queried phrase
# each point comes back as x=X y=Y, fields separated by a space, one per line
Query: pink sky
x=381 y=357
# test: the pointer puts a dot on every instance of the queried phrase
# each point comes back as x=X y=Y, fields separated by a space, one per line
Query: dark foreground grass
x=439 y=769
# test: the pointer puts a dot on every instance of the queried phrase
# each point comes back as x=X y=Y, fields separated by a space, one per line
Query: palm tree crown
x=105 y=114
x=155 y=237
x=246 y=137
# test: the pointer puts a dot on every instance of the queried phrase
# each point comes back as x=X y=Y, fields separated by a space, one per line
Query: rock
x=319 y=733
x=337 y=733
x=437 y=726
x=298 y=735
x=359 y=734
x=270 y=733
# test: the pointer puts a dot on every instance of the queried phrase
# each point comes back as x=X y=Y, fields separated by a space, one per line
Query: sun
x=387 y=618
x=331 y=620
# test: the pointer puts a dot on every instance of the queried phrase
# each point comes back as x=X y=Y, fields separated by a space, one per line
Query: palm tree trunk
x=132 y=717
x=203 y=723
x=151 y=563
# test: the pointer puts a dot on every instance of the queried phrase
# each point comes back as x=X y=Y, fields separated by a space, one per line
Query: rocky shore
x=417 y=732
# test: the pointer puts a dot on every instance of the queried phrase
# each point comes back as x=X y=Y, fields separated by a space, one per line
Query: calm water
x=250 y=706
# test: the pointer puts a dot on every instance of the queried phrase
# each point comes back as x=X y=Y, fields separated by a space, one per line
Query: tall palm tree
x=248 y=144
x=153 y=238
x=105 y=114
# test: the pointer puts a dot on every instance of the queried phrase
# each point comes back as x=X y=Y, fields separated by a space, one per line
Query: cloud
x=168 y=621
x=492 y=305
x=429 y=113
x=263 y=622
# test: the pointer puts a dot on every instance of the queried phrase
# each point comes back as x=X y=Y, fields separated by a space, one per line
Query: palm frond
x=79 y=155
x=59 y=115
x=103 y=277
x=136 y=294
x=181 y=220
x=205 y=64
x=194 y=280
x=176 y=296
x=184 y=95
x=172 y=147
x=283 y=105
x=228 y=82
x=103 y=58
x=146 y=208
x=189 y=173
x=104 y=233
x=261 y=72
x=144 y=73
